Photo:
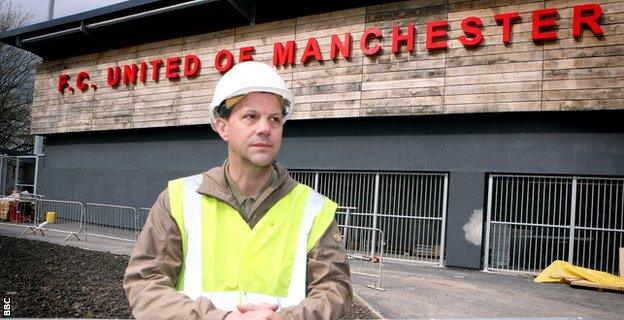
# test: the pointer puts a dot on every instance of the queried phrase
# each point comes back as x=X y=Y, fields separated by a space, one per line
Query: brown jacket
x=153 y=269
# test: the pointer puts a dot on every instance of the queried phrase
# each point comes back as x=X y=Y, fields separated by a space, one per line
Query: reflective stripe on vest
x=229 y=263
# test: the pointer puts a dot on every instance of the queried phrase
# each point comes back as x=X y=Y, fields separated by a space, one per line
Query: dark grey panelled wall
x=131 y=167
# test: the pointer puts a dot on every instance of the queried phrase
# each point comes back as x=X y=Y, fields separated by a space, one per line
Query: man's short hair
x=224 y=112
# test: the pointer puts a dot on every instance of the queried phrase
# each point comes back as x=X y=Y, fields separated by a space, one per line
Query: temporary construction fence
x=364 y=245
x=534 y=220
x=59 y=216
x=363 y=259
x=76 y=219
x=35 y=214
x=143 y=212
x=111 y=221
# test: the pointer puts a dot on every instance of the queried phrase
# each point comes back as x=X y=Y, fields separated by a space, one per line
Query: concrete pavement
x=422 y=292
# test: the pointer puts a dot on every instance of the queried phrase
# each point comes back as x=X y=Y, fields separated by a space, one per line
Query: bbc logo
x=6 y=311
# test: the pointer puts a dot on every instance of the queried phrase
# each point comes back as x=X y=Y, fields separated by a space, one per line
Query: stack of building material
x=562 y=271
x=4 y=209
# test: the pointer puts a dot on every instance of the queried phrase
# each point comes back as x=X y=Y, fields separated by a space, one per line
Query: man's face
x=254 y=129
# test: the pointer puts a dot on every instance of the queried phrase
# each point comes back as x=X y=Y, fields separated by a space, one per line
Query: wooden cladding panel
x=564 y=74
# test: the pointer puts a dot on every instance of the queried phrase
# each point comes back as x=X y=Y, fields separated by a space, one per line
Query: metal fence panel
x=534 y=220
x=143 y=212
x=66 y=216
x=363 y=259
x=111 y=221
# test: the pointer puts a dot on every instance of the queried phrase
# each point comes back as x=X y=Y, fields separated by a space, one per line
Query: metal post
x=346 y=223
x=316 y=181
x=486 y=242
x=17 y=161
x=36 y=174
x=375 y=206
x=50 y=9
x=443 y=227
x=572 y=222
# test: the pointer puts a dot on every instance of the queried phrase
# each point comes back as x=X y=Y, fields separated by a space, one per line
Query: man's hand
x=263 y=311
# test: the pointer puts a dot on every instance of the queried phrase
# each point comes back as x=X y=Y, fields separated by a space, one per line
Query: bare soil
x=53 y=281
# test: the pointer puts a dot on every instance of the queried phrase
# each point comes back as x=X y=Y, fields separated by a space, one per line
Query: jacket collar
x=214 y=183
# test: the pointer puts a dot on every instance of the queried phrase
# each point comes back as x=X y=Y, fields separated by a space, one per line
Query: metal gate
x=409 y=207
x=534 y=220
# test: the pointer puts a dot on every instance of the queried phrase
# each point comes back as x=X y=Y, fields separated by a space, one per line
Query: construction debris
x=562 y=271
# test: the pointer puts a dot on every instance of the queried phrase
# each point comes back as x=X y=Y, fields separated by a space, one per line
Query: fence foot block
x=375 y=287
x=33 y=230
x=72 y=234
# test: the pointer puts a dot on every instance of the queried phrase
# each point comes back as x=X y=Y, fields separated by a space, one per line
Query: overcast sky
x=39 y=8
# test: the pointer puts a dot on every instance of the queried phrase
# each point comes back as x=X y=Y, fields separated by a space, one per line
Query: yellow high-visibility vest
x=229 y=263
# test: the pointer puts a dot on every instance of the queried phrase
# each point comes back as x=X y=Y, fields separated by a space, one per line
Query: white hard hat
x=247 y=77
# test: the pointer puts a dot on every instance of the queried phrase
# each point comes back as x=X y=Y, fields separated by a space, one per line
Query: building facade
x=473 y=133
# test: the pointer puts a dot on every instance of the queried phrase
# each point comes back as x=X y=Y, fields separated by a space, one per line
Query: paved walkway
x=421 y=292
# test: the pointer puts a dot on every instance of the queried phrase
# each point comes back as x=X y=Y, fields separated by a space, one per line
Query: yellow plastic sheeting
x=561 y=271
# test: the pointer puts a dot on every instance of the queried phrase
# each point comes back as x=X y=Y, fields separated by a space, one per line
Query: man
x=241 y=241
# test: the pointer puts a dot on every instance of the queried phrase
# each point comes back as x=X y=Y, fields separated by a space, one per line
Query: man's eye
x=276 y=119
x=249 y=116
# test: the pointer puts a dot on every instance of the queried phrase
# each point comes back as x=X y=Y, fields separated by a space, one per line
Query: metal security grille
x=598 y=223
x=410 y=209
x=534 y=220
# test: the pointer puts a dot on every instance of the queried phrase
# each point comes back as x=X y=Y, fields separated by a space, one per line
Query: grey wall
x=131 y=167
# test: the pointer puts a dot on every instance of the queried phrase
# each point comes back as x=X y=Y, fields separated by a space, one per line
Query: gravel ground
x=48 y=280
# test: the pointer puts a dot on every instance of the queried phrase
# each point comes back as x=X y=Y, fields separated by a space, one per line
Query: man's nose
x=263 y=126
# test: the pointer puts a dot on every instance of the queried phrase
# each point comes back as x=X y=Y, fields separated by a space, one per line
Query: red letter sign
x=344 y=47
x=544 y=18
x=172 y=68
x=432 y=34
x=114 y=74
x=63 y=82
x=284 y=56
x=471 y=27
x=506 y=19
x=244 y=54
x=587 y=15
x=130 y=74
x=397 y=38
x=229 y=61
x=80 y=84
x=364 y=39
x=143 y=72
x=156 y=68
x=311 y=51
x=191 y=65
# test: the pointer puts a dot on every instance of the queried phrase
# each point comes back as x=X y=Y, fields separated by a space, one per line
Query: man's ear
x=222 y=128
